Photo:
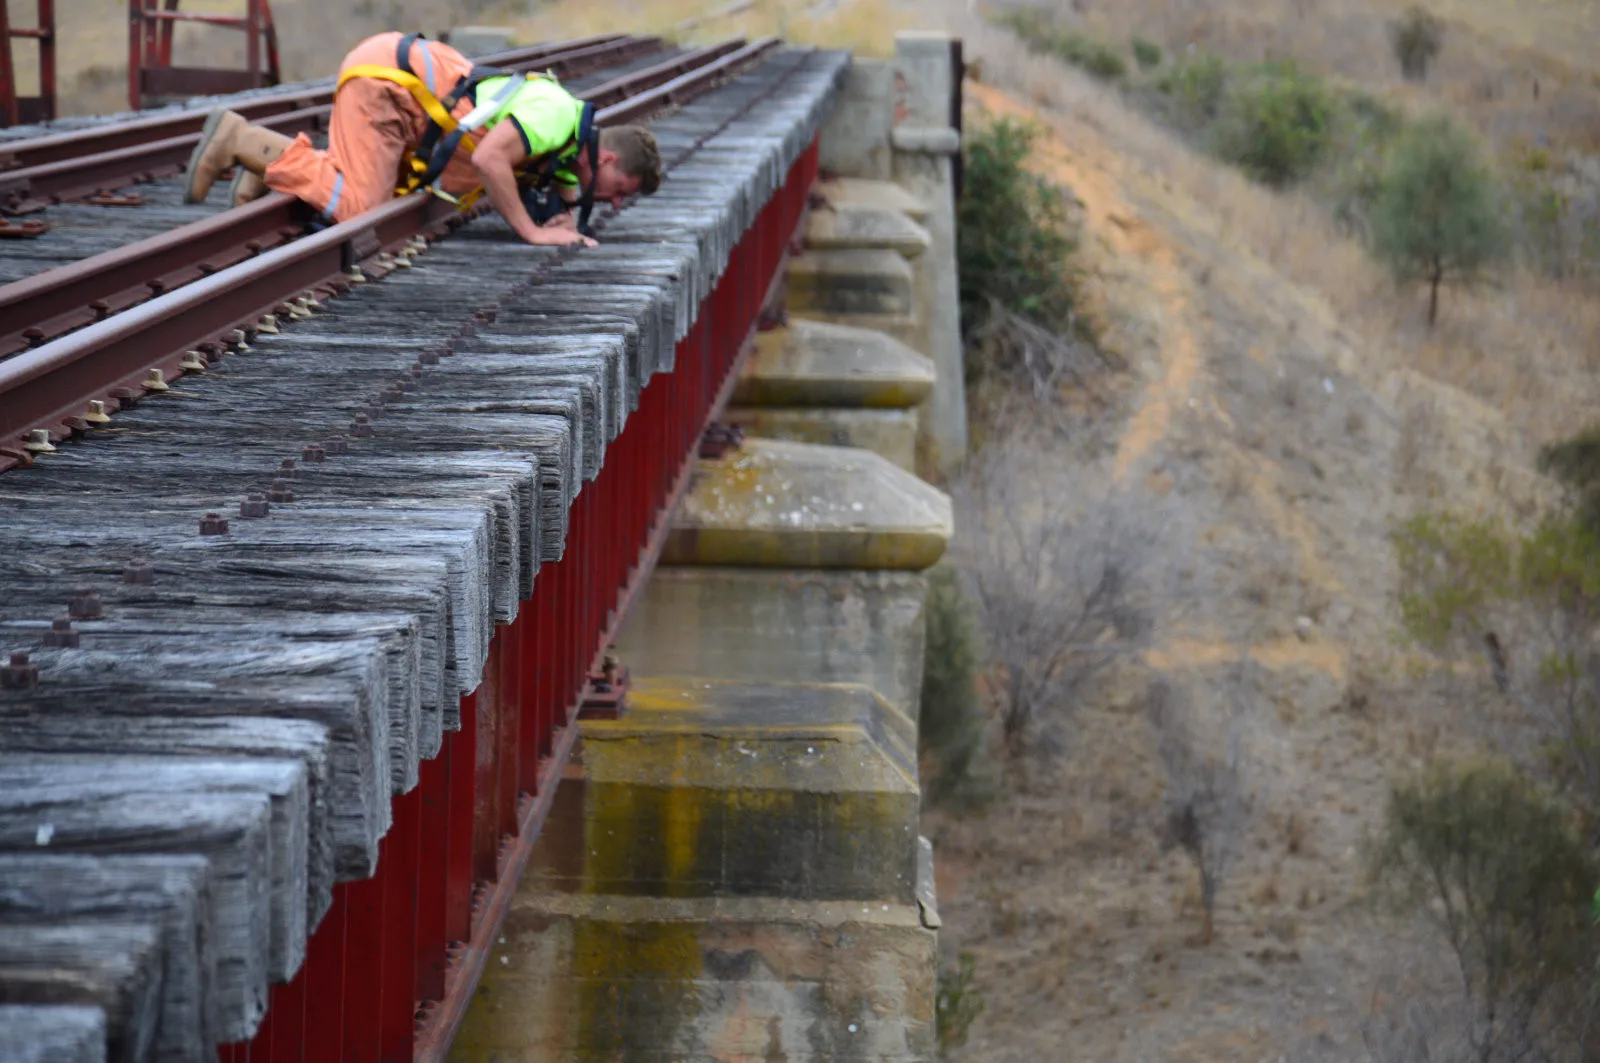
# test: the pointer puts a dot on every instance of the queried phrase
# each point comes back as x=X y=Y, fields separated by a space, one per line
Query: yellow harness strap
x=426 y=100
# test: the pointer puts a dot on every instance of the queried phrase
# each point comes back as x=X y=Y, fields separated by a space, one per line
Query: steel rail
x=76 y=177
x=53 y=147
x=56 y=301
x=49 y=386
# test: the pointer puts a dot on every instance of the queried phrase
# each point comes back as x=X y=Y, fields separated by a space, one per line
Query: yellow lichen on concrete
x=891 y=434
x=815 y=363
x=797 y=505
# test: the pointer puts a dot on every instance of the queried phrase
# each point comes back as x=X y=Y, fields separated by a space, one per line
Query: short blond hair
x=637 y=154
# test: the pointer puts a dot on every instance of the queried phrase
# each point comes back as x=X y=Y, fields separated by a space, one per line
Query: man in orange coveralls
x=392 y=130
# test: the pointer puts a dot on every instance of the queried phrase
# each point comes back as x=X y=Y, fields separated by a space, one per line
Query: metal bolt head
x=286 y=469
x=139 y=571
x=406 y=383
x=19 y=674
x=254 y=505
x=336 y=444
x=155 y=380
x=38 y=442
x=97 y=413
x=213 y=524
x=281 y=491
x=61 y=636
x=361 y=427
x=85 y=604
x=428 y=358
x=313 y=453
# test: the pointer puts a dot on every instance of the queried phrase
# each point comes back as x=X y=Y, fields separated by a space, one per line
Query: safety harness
x=445 y=133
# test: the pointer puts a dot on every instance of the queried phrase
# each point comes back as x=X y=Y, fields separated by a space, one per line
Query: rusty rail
x=37 y=172
x=49 y=388
x=52 y=303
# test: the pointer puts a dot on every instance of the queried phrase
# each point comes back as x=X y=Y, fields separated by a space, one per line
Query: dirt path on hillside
x=1289 y=454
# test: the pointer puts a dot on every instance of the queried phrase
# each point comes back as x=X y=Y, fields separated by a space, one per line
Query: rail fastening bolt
x=85 y=604
x=97 y=412
x=281 y=491
x=155 y=380
x=254 y=505
x=61 y=636
x=313 y=453
x=213 y=524
x=19 y=674
x=362 y=427
x=286 y=470
x=139 y=571
x=38 y=442
x=336 y=444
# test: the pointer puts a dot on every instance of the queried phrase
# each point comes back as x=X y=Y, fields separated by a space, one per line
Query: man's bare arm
x=497 y=153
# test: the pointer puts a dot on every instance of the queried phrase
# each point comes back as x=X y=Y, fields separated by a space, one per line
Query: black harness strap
x=589 y=143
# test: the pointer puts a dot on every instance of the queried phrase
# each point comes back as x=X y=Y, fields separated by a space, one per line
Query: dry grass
x=866 y=27
x=1528 y=346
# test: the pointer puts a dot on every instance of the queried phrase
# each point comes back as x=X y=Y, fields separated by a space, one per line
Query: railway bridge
x=414 y=644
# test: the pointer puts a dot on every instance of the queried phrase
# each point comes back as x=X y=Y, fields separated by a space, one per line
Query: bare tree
x=1054 y=562
x=1205 y=810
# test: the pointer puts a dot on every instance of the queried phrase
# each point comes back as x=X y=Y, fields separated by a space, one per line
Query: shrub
x=1096 y=59
x=957 y=1002
x=1197 y=87
x=1013 y=243
x=1497 y=865
x=1276 y=124
x=950 y=727
x=1418 y=38
x=1146 y=53
x=1436 y=216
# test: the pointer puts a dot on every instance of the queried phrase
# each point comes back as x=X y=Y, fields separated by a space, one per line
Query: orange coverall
x=376 y=125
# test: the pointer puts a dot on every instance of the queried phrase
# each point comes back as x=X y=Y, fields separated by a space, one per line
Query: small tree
x=1055 y=563
x=1435 y=216
x=1276 y=123
x=1418 y=38
x=1205 y=809
x=1497 y=866
x=1013 y=241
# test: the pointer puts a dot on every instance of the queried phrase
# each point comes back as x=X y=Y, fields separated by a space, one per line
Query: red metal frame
x=391 y=969
x=151 y=74
x=15 y=109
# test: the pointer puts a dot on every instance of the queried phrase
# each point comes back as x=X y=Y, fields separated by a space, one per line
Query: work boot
x=247 y=187
x=228 y=140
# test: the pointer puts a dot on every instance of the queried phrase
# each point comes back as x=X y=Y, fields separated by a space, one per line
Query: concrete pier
x=732 y=869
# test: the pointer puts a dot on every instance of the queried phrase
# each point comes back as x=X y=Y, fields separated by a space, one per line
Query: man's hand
x=562 y=221
x=559 y=236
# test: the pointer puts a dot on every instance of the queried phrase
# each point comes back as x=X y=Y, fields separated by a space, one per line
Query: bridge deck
x=370 y=684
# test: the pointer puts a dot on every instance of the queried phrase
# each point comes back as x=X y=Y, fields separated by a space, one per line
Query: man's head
x=630 y=162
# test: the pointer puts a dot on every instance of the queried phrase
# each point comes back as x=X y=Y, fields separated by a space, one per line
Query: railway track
x=331 y=606
x=108 y=328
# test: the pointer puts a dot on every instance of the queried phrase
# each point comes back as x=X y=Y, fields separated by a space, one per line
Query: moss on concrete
x=797 y=505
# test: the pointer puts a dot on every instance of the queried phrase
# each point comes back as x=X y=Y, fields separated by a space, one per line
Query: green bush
x=950 y=726
x=1196 y=87
x=957 y=1002
x=1013 y=242
x=1418 y=38
x=1436 y=217
x=1146 y=53
x=1096 y=59
x=1276 y=123
x=1497 y=864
